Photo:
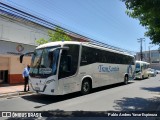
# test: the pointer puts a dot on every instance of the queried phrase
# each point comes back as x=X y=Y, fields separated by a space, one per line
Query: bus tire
x=126 y=80
x=86 y=87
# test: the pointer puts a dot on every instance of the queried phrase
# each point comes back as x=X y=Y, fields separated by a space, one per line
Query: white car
x=152 y=72
x=158 y=71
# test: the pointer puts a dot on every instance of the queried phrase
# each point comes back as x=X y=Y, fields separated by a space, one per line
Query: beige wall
x=4 y=63
x=16 y=67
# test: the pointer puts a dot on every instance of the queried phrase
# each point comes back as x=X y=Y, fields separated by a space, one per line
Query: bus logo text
x=108 y=68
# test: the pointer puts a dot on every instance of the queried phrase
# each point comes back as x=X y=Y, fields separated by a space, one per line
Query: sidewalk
x=12 y=90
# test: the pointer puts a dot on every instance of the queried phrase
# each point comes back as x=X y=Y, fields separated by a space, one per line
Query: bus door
x=68 y=67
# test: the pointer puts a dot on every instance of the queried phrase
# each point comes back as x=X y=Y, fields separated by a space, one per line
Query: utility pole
x=149 y=47
x=140 y=40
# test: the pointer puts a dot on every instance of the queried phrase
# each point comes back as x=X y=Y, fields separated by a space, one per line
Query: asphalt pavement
x=135 y=96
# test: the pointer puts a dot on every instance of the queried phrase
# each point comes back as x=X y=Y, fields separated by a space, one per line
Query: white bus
x=141 y=70
x=59 y=68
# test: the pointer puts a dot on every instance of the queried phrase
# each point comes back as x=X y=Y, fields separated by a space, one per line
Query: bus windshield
x=137 y=67
x=44 y=62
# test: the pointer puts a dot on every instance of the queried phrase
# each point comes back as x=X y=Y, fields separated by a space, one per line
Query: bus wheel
x=126 y=80
x=86 y=87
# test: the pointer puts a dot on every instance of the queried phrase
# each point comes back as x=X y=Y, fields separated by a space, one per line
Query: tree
x=147 y=12
x=57 y=35
x=41 y=41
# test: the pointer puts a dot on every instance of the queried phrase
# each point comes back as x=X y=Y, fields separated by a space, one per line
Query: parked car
x=158 y=71
x=152 y=72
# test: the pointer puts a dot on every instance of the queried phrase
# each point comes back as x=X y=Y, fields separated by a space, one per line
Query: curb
x=14 y=94
x=24 y=93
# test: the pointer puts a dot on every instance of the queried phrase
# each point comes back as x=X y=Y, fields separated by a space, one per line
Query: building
x=16 y=37
x=18 y=32
x=152 y=56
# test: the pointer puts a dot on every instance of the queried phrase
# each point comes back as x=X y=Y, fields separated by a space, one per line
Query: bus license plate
x=37 y=88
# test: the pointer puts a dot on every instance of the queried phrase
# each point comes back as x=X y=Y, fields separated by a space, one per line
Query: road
x=138 y=95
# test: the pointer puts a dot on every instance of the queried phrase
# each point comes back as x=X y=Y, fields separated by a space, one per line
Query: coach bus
x=59 y=68
x=141 y=69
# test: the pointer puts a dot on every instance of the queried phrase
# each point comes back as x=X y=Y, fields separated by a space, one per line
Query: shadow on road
x=140 y=104
x=49 y=99
x=137 y=104
x=109 y=87
x=151 y=89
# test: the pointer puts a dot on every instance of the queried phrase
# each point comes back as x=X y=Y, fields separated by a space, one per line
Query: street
x=138 y=95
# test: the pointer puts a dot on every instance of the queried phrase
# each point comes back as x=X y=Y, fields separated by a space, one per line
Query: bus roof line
x=111 y=47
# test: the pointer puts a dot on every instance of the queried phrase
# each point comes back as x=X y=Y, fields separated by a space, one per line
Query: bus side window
x=141 y=68
x=69 y=61
x=65 y=65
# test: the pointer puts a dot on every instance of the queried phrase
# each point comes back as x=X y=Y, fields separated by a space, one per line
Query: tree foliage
x=57 y=35
x=41 y=41
x=147 y=11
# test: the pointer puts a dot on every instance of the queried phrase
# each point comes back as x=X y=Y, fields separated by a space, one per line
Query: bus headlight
x=49 y=81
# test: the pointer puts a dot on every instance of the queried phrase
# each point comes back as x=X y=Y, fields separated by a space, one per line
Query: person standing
x=25 y=75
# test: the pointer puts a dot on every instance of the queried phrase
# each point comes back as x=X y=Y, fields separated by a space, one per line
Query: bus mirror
x=21 y=58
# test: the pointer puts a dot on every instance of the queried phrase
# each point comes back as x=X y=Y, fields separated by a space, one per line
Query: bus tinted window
x=93 y=55
x=70 y=57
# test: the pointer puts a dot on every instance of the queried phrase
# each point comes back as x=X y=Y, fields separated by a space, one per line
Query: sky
x=101 y=20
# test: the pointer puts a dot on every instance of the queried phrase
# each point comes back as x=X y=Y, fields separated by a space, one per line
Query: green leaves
x=41 y=41
x=57 y=35
x=147 y=12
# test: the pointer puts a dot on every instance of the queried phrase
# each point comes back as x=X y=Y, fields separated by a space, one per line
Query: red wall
x=15 y=78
